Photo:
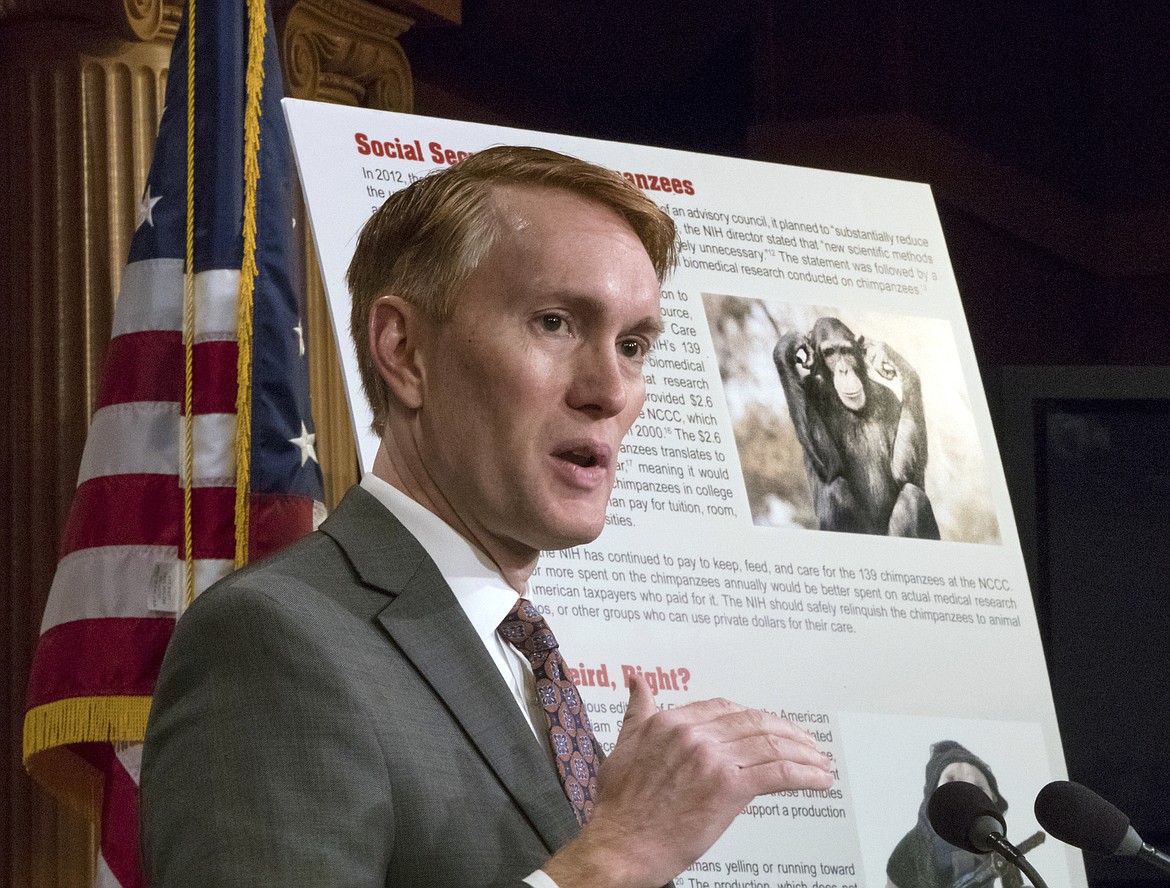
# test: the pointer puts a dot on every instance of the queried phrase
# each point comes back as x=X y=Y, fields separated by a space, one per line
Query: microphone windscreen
x=1077 y=815
x=955 y=807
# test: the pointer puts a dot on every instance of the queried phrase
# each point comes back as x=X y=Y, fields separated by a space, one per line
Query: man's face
x=530 y=386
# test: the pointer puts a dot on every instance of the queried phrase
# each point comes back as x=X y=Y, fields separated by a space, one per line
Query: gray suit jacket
x=328 y=717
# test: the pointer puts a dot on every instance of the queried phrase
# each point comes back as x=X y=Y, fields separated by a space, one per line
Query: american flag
x=123 y=572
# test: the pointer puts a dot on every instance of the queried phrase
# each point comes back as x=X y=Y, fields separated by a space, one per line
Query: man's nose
x=601 y=381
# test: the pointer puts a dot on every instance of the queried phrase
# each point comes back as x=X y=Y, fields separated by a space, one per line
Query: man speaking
x=378 y=705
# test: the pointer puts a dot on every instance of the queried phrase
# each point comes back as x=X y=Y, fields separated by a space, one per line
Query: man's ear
x=396 y=330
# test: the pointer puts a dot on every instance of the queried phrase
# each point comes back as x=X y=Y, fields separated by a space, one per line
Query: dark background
x=1044 y=129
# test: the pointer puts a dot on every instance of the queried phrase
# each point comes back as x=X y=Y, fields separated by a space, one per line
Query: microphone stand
x=1153 y=856
x=1012 y=854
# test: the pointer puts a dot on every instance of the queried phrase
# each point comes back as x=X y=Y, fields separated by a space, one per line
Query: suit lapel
x=427 y=624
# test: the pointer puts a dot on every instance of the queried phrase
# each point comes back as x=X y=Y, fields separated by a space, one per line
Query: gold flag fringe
x=253 y=85
x=50 y=728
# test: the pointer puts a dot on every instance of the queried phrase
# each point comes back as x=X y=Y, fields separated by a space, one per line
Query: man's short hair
x=425 y=241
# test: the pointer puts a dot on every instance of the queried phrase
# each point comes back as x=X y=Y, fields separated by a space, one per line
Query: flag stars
x=146 y=209
x=299 y=329
x=307 y=442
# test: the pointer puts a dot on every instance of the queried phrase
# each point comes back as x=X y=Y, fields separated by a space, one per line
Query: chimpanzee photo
x=857 y=408
x=848 y=452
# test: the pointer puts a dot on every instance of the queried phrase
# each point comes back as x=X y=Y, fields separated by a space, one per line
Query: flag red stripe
x=119 y=834
x=120 y=826
x=108 y=657
x=142 y=366
x=147 y=510
x=277 y=519
x=148 y=366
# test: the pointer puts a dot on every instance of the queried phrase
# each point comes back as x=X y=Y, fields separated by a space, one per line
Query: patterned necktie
x=568 y=724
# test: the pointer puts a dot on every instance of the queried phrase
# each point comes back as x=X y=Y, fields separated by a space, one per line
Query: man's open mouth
x=584 y=458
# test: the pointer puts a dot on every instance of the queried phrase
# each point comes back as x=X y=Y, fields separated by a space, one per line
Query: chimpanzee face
x=839 y=354
x=843 y=365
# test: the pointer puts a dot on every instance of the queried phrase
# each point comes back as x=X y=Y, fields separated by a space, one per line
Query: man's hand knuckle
x=707 y=758
x=788 y=774
x=686 y=735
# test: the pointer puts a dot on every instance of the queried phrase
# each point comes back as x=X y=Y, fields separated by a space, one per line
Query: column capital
x=347 y=52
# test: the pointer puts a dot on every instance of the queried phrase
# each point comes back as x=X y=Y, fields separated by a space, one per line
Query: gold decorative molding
x=147 y=19
x=347 y=52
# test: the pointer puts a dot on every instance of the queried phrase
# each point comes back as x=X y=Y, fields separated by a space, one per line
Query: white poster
x=728 y=566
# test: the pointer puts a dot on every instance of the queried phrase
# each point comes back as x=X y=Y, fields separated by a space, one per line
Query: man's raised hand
x=674 y=782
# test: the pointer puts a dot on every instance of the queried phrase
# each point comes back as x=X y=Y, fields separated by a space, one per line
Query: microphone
x=962 y=814
x=1077 y=815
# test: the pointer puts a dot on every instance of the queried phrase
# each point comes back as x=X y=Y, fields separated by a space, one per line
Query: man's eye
x=632 y=348
x=552 y=323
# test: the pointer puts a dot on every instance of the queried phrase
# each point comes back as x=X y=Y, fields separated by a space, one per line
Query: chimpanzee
x=857 y=408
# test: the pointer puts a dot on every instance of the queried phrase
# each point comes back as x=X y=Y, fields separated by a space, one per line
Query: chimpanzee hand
x=881 y=366
x=802 y=356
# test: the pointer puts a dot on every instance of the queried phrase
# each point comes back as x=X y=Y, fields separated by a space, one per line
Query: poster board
x=712 y=577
